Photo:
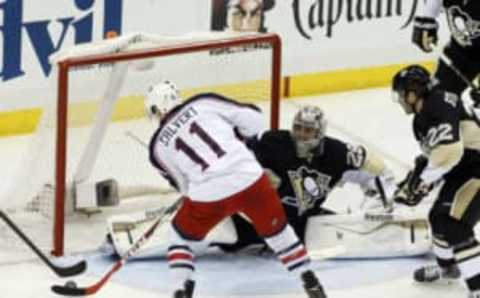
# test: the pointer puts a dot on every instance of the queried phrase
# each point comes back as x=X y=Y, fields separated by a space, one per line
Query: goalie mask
x=412 y=79
x=160 y=99
x=309 y=126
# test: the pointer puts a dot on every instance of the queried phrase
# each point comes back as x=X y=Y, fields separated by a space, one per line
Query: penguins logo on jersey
x=309 y=186
x=464 y=28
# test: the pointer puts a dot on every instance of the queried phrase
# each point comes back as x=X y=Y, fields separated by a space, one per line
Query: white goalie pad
x=404 y=232
x=125 y=229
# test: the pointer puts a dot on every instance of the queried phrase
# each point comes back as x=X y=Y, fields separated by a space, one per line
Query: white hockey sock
x=290 y=250
x=442 y=250
x=180 y=261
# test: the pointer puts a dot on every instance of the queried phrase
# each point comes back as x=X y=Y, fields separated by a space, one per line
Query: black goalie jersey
x=306 y=182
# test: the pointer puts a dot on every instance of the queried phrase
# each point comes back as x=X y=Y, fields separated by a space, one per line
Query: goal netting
x=89 y=145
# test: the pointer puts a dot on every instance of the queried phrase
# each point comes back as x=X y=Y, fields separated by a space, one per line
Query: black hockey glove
x=415 y=183
x=412 y=189
x=419 y=188
x=475 y=96
x=403 y=196
x=425 y=33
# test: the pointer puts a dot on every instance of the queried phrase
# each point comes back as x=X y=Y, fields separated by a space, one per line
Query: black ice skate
x=187 y=291
x=433 y=273
x=312 y=286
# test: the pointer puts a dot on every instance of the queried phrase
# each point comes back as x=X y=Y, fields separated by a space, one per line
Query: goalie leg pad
x=367 y=239
x=124 y=229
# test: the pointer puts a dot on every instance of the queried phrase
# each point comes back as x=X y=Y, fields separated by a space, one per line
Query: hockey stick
x=136 y=138
x=475 y=90
x=60 y=271
x=382 y=195
x=449 y=63
x=70 y=288
x=373 y=217
x=139 y=141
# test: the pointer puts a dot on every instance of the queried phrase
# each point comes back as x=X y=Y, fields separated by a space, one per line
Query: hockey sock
x=289 y=250
x=180 y=261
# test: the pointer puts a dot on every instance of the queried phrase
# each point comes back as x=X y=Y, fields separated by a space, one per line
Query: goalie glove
x=425 y=33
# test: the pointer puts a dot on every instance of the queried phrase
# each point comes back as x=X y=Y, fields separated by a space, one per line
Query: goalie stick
x=59 y=270
x=69 y=290
x=139 y=141
x=373 y=217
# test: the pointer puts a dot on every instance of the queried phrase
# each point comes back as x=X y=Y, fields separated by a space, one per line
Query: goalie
x=305 y=165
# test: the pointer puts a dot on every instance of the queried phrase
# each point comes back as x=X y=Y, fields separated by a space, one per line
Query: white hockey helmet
x=309 y=127
x=161 y=98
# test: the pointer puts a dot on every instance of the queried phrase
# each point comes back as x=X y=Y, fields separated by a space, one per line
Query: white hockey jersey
x=197 y=148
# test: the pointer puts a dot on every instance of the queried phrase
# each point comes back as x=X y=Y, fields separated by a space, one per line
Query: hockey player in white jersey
x=197 y=147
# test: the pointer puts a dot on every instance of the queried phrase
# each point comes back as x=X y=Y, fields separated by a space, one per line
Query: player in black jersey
x=463 y=49
x=306 y=165
x=448 y=132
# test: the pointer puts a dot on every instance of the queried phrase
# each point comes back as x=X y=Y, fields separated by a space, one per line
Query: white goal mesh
x=96 y=130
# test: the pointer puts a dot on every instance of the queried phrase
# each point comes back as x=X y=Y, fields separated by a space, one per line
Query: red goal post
x=132 y=49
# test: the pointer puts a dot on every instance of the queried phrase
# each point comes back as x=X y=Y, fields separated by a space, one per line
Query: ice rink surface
x=368 y=117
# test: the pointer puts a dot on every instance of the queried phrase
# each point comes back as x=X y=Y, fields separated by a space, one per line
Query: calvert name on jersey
x=196 y=147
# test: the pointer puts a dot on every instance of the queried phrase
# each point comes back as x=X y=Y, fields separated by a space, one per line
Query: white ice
x=368 y=117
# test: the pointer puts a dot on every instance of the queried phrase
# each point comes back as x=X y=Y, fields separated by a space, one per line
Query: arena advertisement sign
x=329 y=35
x=324 y=15
x=240 y=16
x=318 y=35
x=22 y=30
x=323 y=35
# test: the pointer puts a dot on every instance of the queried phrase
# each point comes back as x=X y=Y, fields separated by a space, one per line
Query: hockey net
x=95 y=131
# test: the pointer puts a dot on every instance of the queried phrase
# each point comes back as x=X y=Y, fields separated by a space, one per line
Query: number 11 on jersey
x=197 y=130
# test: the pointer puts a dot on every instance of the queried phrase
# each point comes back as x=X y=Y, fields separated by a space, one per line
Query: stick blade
x=71 y=270
x=68 y=291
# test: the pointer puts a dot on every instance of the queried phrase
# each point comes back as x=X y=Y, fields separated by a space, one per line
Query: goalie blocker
x=403 y=232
